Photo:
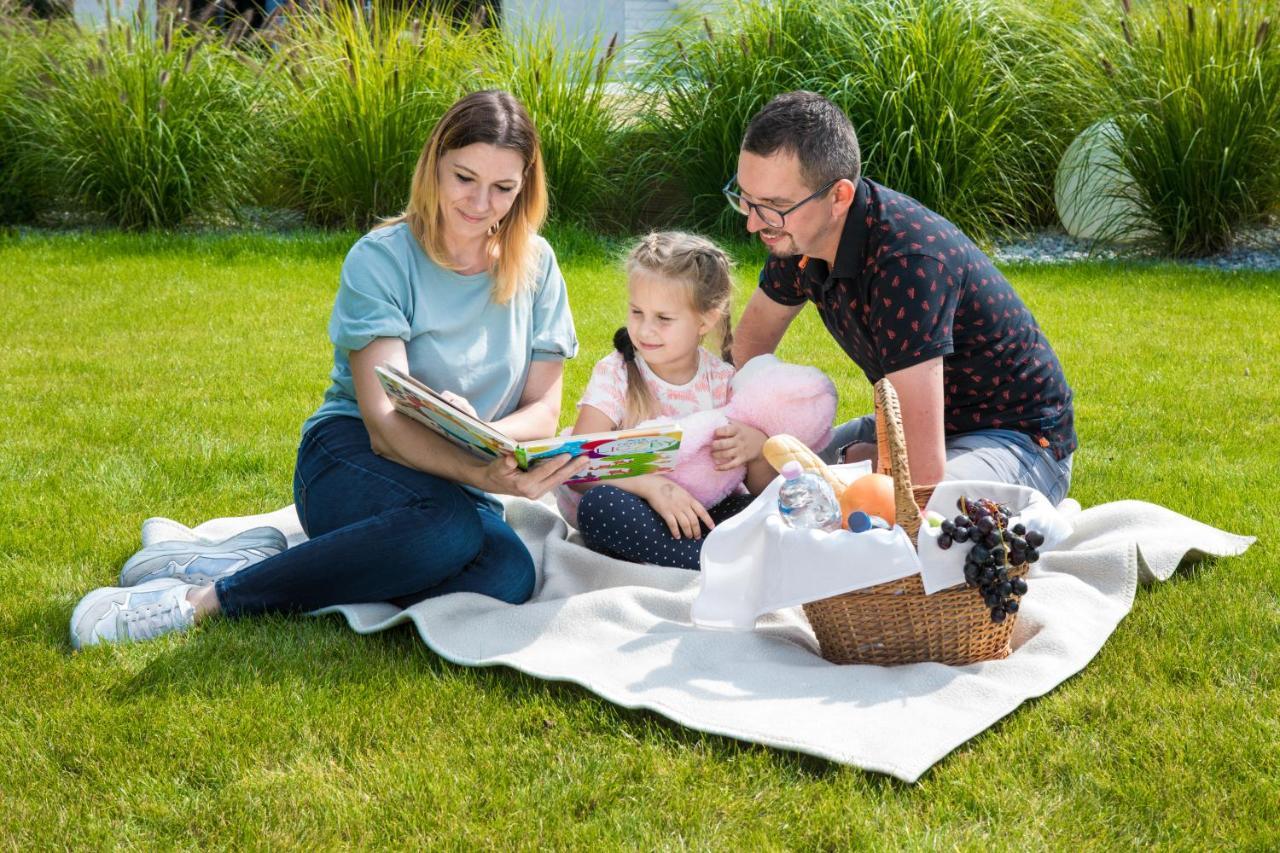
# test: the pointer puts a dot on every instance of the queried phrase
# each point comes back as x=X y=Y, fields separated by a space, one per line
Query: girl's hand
x=682 y=513
x=503 y=477
x=460 y=402
x=736 y=444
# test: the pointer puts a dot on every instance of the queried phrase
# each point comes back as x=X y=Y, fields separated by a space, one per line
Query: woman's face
x=478 y=185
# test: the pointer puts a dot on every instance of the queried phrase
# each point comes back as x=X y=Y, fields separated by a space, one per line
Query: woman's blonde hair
x=704 y=270
x=496 y=118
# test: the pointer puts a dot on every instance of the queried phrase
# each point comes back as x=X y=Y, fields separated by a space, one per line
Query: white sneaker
x=126 y=615
x=198 y=563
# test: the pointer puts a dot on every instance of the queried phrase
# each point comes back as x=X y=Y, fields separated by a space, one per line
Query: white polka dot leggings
x=623 y=525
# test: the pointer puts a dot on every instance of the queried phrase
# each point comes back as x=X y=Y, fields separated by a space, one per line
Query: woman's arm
x=400 y=439
x=538 y=413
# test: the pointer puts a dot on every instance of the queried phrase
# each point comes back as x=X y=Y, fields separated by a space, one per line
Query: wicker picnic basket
x=895 y=622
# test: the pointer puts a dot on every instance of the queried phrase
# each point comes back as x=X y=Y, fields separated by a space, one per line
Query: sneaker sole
x=146 y=564
x=96 y=604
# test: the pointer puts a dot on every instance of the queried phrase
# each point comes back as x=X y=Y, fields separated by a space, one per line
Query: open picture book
x=624 y=453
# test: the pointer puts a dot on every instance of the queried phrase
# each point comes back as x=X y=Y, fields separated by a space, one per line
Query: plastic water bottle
x=805 y=500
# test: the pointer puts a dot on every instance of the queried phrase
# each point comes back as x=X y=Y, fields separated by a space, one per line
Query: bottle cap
x=859 y=521
x=792 y=470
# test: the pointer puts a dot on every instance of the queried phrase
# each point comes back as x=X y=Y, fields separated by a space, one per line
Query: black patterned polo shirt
x=906 y=287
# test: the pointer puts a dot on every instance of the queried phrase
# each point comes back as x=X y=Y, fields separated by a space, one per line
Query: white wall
x=92 y=13
x=584 y=20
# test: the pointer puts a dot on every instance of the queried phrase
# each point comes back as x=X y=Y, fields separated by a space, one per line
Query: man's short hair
x=813 y=129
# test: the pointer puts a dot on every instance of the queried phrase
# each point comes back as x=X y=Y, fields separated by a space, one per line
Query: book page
x=625 y=453
x=413 y=398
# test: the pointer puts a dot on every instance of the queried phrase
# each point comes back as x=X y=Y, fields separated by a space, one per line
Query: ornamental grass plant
x=946 y=97
x=146 y=123
x=563 y=87
x=1194 y=91
x=20 y=190
x=355 y=97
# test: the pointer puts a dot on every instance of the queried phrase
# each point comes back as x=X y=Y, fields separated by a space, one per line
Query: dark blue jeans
x=998 y=455
x=379 y=531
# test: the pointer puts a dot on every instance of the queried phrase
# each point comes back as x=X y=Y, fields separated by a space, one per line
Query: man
x=908 y=297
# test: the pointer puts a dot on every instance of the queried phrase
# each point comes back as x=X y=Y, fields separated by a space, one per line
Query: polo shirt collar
x=851 y=253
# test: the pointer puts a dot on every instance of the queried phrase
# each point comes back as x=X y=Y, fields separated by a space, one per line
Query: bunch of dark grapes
x=996 y=549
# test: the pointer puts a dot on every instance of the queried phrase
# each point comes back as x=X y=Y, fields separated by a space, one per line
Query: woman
x=462 y=293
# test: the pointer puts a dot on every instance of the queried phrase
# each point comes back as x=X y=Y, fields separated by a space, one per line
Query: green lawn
x=169 y=375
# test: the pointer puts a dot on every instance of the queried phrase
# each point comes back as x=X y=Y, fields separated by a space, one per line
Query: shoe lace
x=151 y=620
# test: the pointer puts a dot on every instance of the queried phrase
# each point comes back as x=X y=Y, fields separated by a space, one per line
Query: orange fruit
x=871 y=493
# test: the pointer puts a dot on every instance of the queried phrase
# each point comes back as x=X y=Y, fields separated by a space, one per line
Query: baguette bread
x=781 y=449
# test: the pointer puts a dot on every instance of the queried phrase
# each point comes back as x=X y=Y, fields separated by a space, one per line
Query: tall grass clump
x=21 y=189
x=708 y=79
x=935 y=90
x=564 y=89
x=1194 y=91
x=148 y=125
x=948 y=98
x=356 y=97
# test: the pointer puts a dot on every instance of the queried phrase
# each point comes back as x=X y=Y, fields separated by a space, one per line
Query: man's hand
x=736 y=444
x=682 y=513
x=503 y=477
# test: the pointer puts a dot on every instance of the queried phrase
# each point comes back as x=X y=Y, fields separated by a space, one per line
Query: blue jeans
x=379 y=531
x=999 y=455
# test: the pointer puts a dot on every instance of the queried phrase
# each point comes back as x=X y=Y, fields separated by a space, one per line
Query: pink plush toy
x=768 y=394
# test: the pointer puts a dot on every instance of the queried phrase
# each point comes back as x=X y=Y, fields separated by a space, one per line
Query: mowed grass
x=146 y=375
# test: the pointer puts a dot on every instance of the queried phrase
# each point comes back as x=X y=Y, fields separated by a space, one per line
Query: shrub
x=938 y=91
x=356 y=97
x=564 y=90
x=148 y=126
x=1195 y=93
x=21 y=189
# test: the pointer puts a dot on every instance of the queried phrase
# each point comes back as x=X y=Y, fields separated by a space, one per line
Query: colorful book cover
x=624 y=453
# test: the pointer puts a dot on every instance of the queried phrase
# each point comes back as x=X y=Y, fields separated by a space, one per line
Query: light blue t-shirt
x=456 y=337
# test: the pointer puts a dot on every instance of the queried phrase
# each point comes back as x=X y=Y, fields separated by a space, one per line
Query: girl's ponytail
x=640 y=404
x=726 y=337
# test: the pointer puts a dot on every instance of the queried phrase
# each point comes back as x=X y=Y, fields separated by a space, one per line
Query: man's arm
x=920 y=396
x=761 y=328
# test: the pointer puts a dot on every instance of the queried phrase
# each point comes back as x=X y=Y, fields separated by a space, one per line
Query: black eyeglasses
x=770 y=216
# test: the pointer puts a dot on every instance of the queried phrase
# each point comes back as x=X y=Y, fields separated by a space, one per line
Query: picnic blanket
x=623 y=631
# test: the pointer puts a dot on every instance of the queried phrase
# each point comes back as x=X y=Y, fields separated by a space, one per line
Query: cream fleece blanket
x=623 y=632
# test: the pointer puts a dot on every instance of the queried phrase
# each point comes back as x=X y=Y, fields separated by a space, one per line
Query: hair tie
x=622 y=343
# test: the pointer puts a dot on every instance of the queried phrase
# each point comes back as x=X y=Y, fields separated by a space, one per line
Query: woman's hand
x=459 y=402
x=736 y=444
x=682 y=513
x=503 y=477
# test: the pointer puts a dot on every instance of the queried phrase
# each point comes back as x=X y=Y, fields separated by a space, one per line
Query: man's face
x=775 y=181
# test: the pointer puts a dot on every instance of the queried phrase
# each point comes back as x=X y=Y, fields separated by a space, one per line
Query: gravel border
x=1257 y=249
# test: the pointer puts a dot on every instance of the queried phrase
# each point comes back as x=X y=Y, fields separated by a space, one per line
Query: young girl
x=680 y=289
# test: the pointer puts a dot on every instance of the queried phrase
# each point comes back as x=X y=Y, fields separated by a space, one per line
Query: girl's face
x=663 y=324
x=478 y=186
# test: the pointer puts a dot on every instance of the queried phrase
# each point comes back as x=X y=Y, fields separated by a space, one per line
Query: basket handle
x=892 y=447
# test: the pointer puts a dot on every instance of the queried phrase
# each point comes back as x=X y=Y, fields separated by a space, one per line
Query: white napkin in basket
x=753 y=564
